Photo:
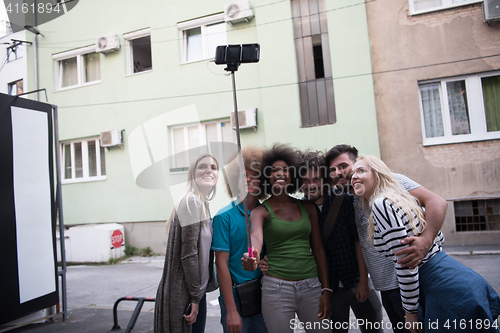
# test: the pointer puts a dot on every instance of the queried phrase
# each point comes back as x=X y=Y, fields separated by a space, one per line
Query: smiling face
x=312 y=184
x=206 y=174
x=340 y=169
x=363 y=180
x=279 y=176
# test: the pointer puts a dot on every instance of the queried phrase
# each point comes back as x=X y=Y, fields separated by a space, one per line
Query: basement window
x=477 y=215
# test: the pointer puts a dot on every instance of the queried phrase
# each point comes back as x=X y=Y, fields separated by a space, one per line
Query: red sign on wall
x=117 y=239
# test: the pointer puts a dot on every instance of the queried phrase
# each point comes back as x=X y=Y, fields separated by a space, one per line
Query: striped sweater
x=391 y=226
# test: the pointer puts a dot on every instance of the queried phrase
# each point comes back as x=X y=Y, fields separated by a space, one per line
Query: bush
x=147 y=252
x=130 y=251
x=112 y=260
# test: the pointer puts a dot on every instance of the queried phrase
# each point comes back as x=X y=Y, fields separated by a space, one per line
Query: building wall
x=409 y=49
x=16 y=69
x=129 y=101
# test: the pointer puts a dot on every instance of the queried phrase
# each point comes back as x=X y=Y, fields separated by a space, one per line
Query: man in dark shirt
x=346 y=267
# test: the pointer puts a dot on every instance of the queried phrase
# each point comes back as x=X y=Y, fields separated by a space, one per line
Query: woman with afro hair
x=290 y=230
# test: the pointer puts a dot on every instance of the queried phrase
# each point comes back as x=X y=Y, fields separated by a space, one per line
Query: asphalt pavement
x=92 y=291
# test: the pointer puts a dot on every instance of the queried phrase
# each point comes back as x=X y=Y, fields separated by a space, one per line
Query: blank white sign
x=35 y=252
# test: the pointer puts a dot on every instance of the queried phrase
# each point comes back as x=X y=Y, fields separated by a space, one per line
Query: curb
x=469 y=253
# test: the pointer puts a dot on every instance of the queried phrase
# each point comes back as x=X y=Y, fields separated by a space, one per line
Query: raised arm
x=320 y=258
x=435 y=212
x=257 y=218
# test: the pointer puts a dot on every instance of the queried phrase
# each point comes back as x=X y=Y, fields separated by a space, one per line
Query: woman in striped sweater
x=441 y=293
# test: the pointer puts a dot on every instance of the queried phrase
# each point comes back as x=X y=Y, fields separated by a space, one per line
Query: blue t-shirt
x=230 y=235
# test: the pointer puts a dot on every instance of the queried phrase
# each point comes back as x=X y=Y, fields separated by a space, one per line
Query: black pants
x=391 y=300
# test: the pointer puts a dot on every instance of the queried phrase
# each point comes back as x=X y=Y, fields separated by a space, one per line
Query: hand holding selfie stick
x=233 y=56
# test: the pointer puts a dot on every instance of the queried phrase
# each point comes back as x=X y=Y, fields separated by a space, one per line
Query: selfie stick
x=242 y=169
x=233 y=56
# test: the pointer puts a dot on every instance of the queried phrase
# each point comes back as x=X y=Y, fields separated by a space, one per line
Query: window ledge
x=139 y=73
x=79 y=86
x=437 y=9
x=83 y=180
x=178 y=172
x=460 y=139
x=195 y=61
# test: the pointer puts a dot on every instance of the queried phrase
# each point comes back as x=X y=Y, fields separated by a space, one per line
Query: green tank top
x=288 y=246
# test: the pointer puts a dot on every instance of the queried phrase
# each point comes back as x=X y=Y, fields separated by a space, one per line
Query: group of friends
x=327 y=230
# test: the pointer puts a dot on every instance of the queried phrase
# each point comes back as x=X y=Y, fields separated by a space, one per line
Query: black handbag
x=250 y=297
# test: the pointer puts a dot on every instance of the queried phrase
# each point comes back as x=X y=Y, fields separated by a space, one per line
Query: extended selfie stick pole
x=233 y=56
x=242 y=168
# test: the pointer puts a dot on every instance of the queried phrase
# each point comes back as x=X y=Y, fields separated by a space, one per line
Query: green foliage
x=130 y=251
x=113 y=260
x=147 y=252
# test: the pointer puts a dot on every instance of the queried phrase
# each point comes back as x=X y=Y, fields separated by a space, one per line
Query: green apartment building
x=144 y=71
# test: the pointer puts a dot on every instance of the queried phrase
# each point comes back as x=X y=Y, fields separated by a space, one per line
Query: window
x=16 y=88
x=139 y=51
x=200 y=37
x=77 y=68
x=317 y=104
x=189 y=141
x=461 y=109
x=423 y=6
x=82 y=161
x=477 y=215
x=14 y=52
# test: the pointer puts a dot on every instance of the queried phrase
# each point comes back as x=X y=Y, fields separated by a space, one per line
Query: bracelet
x=327 y=289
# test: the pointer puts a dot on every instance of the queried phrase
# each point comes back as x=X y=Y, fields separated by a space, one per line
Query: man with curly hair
x=230 y=240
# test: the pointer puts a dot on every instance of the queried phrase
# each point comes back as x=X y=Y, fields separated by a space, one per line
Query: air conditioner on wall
x=246 y=118
x=107 y=43
x=491 y=9
x=111 y=138
x=238 y=11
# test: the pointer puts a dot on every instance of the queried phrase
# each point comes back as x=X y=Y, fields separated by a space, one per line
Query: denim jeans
x=199 y=325
x=254 y=324
x=282 y=299
x=370 y=310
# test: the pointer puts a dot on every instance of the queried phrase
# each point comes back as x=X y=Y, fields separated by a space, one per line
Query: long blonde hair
x=387 y=186
x=193 y=191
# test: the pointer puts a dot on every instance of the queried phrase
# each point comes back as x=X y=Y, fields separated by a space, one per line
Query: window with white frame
x=423 y=6
x=200 y=37
x=191 y=140
x=139 y=51
x=77 y=67
x=82 y=161
x=16 y=87
x=460 y=109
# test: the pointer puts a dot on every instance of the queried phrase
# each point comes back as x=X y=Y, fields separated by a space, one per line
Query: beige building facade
x=437 y=93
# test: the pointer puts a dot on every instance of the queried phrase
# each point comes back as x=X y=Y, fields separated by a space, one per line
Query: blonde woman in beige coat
x=188 y=260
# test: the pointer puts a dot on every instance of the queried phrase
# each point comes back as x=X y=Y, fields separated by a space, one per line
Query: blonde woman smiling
x=440 y=290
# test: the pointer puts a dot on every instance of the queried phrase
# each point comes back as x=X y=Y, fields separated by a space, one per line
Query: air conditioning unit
x=111 y=138
x=239 y=11
x=246 y=118
x=107 y=43
x=491 y=9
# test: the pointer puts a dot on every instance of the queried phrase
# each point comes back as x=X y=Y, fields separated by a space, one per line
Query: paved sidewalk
x=92 y=291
